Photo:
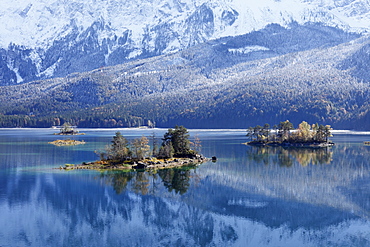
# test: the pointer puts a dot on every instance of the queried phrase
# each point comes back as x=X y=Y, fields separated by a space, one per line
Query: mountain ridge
x=233 y=82
x=48 y=38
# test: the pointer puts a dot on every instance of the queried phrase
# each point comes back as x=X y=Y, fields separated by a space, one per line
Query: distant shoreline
x=336 y=132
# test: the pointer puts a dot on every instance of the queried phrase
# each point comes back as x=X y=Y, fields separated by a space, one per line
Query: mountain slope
x=48 y=38
x=218 y=84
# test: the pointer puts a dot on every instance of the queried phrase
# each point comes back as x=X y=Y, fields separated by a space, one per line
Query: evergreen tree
x=166 y=150
x=284 y=130
x=119 y=150
x=179 y=139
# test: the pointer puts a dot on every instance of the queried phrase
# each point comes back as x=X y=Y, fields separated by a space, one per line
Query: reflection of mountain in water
x=262 y=175
x=287 y=156
x=237 y=201
x=79 y=211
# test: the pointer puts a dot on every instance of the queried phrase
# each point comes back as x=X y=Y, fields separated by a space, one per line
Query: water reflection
x=288 y=156
x=233 y=202
x=175 y=180
x=147 y=182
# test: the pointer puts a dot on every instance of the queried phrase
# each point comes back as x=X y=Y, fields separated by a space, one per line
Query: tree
x=315 y=128
x=266 y=131
x=67 y=129
x=304 y=133
x=196 y=144
x=178 y=138
x=322 y=133
x=250 y=133
x=284 y=129
x=257 y=132
x=327 y=132
x=119 y=150
x=166 y=150
x=154 y=145
x=141 y=147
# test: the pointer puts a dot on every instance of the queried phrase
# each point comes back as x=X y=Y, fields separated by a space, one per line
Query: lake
x=250 y=197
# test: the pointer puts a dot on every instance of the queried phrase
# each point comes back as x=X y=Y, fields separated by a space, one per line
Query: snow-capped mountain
x=48 y=38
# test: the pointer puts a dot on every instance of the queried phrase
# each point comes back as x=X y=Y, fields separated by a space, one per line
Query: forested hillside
x=270 y=75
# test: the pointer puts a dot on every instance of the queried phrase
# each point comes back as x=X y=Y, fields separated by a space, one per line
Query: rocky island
x=67 y=142
x=67 y=129
x=174 y=152
x=284 y=134
x=143 y=164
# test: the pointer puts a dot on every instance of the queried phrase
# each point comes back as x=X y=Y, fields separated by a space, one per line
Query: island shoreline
x=148 y=164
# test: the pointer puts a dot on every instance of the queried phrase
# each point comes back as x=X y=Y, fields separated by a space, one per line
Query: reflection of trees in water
x=284 y=156
x=175 y=180
x=118 y=180
x=143 y=182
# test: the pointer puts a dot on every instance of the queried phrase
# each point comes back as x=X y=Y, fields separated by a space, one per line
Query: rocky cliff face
x=50 y=38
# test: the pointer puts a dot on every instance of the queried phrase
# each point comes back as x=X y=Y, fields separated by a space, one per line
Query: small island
x=67 y=142
x=175 y=151
x=67 y=129
x=284 y=134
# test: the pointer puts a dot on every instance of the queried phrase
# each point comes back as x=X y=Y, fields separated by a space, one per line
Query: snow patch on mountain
x=79 y=35
x=248 y=49
x=39 y=23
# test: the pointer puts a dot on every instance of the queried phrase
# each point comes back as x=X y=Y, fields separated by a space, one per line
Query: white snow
x=38 y=23
x=248 y=49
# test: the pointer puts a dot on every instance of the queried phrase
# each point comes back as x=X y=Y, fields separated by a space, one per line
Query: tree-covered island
x=284 y=134
x=67 y=129
x=175 y=151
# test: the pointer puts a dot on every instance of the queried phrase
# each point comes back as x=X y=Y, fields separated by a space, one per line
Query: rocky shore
x=146 y=164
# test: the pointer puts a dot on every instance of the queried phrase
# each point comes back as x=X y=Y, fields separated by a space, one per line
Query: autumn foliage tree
x=140 y=147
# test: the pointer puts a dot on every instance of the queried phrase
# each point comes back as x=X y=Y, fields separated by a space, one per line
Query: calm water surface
x=249 y=197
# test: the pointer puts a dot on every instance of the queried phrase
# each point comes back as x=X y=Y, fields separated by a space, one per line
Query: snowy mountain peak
x=102 y=32
x=38 y=23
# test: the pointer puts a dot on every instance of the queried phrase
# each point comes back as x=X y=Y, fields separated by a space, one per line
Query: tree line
x=175 y=144
x=285 y=132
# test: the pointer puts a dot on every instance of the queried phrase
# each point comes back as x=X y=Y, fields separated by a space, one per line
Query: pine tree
x=176 y=140
x=119 y=150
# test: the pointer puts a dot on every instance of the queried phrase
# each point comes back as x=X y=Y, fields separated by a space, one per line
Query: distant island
x=67 y=129
x=67 y=142
x=175 y=151
x=284 y=134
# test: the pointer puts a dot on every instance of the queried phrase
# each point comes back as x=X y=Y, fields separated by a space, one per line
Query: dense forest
x=210 y=86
